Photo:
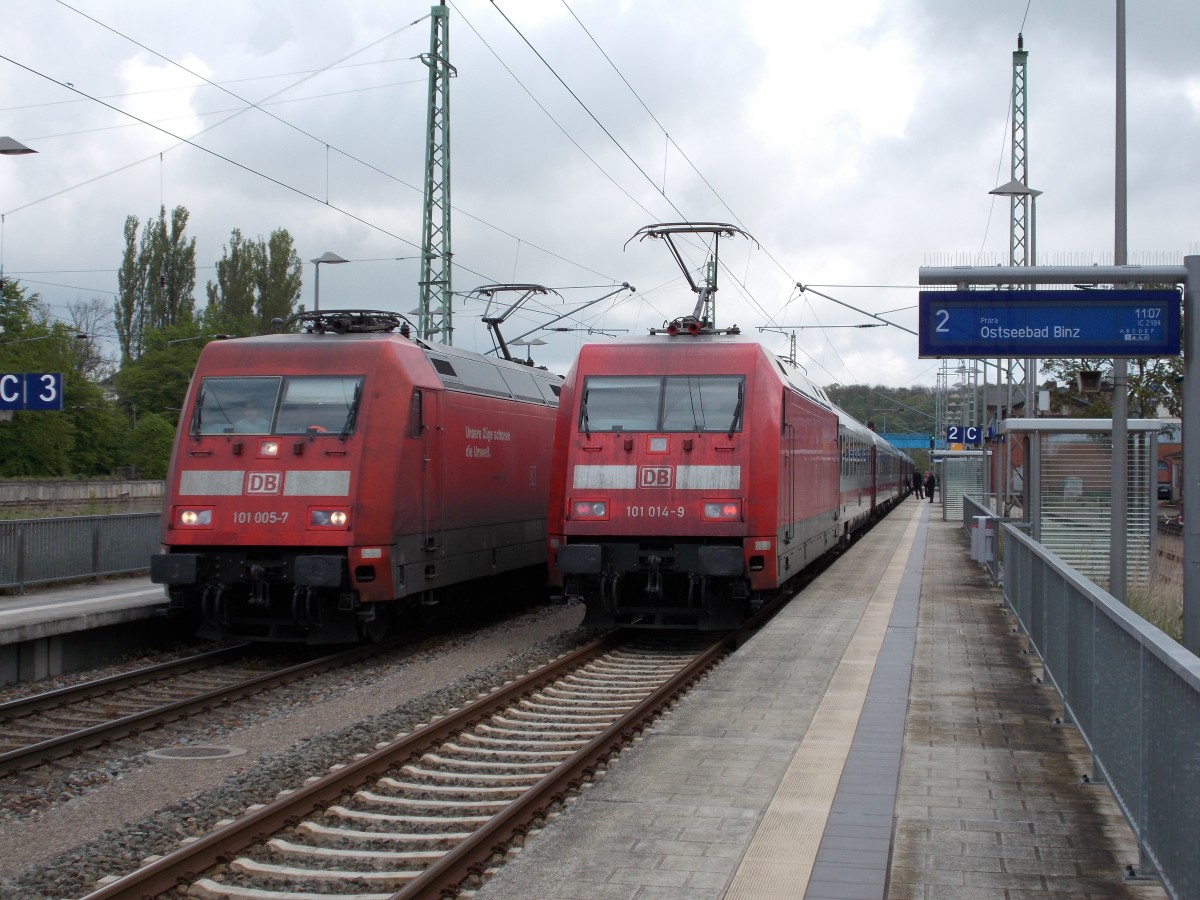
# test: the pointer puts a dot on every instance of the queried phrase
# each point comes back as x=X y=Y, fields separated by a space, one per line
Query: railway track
x=49 y=726
x=431 y=810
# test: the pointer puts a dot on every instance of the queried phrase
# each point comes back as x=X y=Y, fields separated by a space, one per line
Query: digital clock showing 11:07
x=1069 y=324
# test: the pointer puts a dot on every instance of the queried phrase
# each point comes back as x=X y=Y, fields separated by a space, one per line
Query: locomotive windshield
x=662 y=403
x=275 y=405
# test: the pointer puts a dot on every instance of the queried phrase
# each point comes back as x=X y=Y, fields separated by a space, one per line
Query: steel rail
x=186 y=864
x=470 y=858
x=23 y=706
x=55 y=748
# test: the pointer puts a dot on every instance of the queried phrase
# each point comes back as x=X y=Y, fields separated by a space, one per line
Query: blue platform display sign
x=1058 y=323
x=31 y=391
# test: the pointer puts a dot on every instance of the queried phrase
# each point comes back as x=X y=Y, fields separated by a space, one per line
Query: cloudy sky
x=854 y=141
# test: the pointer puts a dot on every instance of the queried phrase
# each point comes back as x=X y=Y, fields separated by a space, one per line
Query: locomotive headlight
x=595 y=510
x=722 y=510
x=328 y=518
x=268 y=448
x=193 y=518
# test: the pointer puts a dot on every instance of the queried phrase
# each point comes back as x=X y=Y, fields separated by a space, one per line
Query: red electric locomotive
x=321 y=480
x=694 y=473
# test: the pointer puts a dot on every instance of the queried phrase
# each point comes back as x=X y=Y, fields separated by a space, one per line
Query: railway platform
x=54 y=630
x=884 y=736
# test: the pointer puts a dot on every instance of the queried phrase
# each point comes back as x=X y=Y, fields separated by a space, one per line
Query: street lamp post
x=9 y=147
x=200 y=337
x=327 y=257
x=534 y=342
x=1018 y=189
x=79 y=336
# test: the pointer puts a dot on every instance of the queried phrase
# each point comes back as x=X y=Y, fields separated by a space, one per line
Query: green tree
x=905 y=409
x=157 y=279
x=231 y=298
x=257 y=281
x=36 y=443
x=17 y=310
x=279 y=279
x=131 y=288
x=1152 y=382
x=156 y=382
x=94 y=318
x=99 y=431
x=148 y=445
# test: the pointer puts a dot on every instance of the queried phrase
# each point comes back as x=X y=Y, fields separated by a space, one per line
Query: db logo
x=655 y=477
x=262 y=483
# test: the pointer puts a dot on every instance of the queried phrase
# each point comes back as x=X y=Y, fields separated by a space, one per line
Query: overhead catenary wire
x=739 y=283
x=587 y=110
x=251 y=105
x=259 y=107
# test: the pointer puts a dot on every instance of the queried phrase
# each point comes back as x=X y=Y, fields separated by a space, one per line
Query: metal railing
x=993 y=542
x=1134 y=694
x=35 y=551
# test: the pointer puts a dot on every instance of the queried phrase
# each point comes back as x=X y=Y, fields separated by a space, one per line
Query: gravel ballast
x=142 y=807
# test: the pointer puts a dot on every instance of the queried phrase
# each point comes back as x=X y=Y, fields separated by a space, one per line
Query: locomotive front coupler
x=610 y=591
x=258 y=586
x=654 y=576
x=212 y=605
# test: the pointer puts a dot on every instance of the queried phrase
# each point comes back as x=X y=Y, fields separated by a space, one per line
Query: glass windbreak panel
x=235 y=406
x=702 y=403
x=672 y=403
x=319 y=405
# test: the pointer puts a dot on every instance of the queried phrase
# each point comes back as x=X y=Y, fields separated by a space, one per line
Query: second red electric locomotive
x=321 y=480
x=694 y=473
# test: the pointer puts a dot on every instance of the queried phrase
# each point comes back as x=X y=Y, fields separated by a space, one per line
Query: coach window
x=235 y=406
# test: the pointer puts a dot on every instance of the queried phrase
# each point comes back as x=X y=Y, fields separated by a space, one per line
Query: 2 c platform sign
x=39 y=391
x=962 y=434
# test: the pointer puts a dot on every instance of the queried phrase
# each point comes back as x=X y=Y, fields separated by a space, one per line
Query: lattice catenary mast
x=434 y=314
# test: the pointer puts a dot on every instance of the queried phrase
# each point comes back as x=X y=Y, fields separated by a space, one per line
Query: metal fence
x=1134 y=694
x=34 y=551
x=987 y=548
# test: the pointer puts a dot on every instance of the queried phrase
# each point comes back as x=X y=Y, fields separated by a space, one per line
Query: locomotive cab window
x=275 y=405
x=235 y=406
x=668 y=403
x=319 y=405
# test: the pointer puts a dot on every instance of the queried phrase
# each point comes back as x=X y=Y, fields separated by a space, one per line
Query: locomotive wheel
x=377 y=629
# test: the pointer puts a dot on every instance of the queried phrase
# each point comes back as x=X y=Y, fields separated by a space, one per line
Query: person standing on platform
x=917 y=484
x=930 y=485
